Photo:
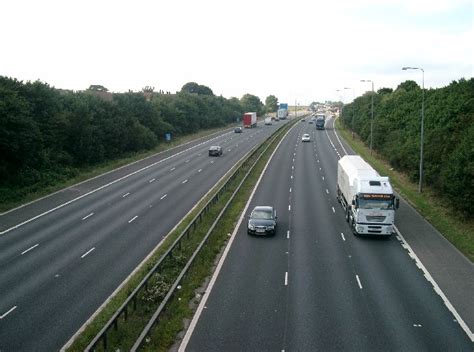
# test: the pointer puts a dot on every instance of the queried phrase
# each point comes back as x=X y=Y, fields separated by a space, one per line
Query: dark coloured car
x=262 y=221
x=238 y=130
x=215 y=150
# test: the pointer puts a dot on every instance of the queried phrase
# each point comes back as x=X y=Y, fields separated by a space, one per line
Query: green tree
x=251 y=102
x=271 y=103
x=194 y=88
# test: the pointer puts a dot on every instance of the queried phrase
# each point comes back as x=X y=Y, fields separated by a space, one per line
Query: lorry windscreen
x=382 y=204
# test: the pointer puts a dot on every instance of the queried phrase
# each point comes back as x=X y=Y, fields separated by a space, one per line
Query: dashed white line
x=343 y=238
x=132 y=219
x=327 y=191
x=290 y=189
x=187 y=161
x=163 y=196
x=323 y=178
x=88 y=252
x=358 y=281
x=333 y=210
x=5 y=314
x=29 y=249
x=185 y=181
x=199 y=170
x=87 y=216
x=288 y=234
x=289 y=207
x=212 y=161
x=173 y=168
x=291 y=176
x=152 y=180
x=126 y=194
x=286 y=278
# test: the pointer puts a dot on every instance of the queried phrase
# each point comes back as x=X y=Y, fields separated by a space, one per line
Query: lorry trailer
x=250 y=119
x=366 y=197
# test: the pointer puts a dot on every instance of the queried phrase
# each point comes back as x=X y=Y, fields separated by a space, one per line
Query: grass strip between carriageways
x=126 y=335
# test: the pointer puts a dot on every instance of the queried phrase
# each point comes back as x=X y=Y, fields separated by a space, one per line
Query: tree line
x=48 y=135
x=448 y=157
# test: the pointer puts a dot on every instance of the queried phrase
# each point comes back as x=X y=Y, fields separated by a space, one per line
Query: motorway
x=315 y=286
x=63 y=256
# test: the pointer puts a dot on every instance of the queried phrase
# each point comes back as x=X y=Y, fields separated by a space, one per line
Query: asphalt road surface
x=63 y=256
x=314 y=286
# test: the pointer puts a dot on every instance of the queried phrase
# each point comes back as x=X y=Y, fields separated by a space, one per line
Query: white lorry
x=367 y=197
x=268 y=120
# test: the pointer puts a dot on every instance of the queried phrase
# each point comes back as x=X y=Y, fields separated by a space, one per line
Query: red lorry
x=250 y=119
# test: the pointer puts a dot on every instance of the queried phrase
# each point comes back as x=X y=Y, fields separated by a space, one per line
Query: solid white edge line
x=87 y=216
x=5 y=314
x=436 y=288
x=206 y=294
x=29 y=249
x=101 y=187
x=358 y=281
x=143 y=262
x=87 y=253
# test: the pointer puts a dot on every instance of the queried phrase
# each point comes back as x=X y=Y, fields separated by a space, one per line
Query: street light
x=420 y=183
x=372 y=118
x=353 y=109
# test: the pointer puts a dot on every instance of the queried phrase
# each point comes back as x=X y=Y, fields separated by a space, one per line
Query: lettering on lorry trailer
x=366 y=197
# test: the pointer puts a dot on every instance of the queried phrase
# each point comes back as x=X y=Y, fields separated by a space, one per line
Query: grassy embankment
x=460 y=232
x=180 y=308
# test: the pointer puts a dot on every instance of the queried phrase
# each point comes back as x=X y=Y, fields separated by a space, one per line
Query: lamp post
x=353 y=109
x=420 y=183
x=372 y=118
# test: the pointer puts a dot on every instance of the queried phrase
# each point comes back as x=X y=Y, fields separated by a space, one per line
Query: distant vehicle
x=250 y=119
x=238 y=130
x=282 y=114
x=305 y=138
x=262 y=221
x=268 y=120
x=320 y=123
x=367 y=198
x=303 y=119
x=215 y=150
x=310 y=121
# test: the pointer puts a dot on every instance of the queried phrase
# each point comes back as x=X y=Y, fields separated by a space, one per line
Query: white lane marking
x=126 y=194
x=163 y=196
x=358 y=281
x=327 y=191
x=291 y=176
x=288 y=234
x=85 y=254
x=436 y=288
x=323 y=178
x=343 y=238
x=152 y=180
x=5 y=314
x=187 y=161
x=185 y=181
x=199 y=154
x=289 y=207
x=29 y=249
x=286 y=278
x=173 y=168
x=87 y=216
x=199 y=170
x=333 y=210
x=212 y=161
x=290 y=189
x=229 y=150
x=132 y=219
x=292 y=167
x=317 y=160
x=222 y=259
x=101 y=187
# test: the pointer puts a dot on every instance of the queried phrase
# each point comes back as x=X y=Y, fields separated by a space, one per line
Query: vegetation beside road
x=456 y=228
x=181 y=306
x=52 y=138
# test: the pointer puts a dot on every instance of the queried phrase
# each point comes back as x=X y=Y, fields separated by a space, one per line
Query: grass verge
x=172 y=320
x=12 y=199
x=459 y=232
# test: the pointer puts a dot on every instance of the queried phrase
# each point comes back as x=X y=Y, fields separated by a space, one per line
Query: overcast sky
x=300 y=50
